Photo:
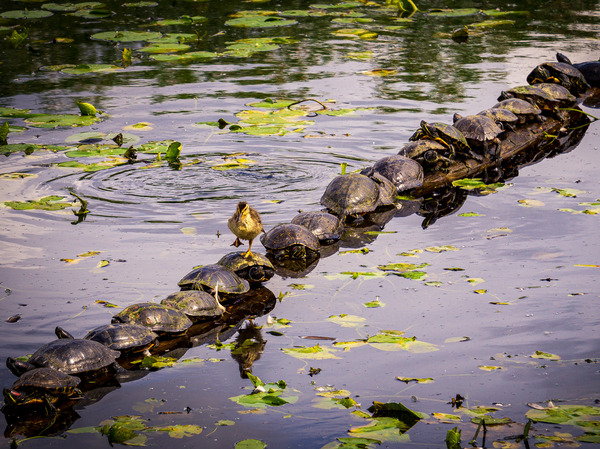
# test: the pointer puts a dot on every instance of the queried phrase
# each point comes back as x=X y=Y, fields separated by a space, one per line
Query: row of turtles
x=55 y=370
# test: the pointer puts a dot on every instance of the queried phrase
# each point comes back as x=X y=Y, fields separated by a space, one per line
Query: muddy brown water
x=532 y=259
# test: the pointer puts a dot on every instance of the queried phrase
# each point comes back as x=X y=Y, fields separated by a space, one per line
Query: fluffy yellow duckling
x=246 y=224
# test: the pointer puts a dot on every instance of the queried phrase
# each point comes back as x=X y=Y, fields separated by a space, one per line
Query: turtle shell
x=253 y=268
x=351 y=194
x=524 y=110
x=500 y=116
x=122 y=336
x=559 y=73
x=194 y=303
x=207 y=277
x=73 y=356
x=589 y=69
x=291 y=241
x=558 y=93
x=416 y=149
x=325 y=226
x=478 y=128
x=533 y=94
x=403 y=172
x=156 y=317
x=46 y=378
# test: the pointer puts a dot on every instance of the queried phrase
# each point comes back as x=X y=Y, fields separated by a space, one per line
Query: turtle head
x=456 y=117
x=18 y=367
x=12 y=397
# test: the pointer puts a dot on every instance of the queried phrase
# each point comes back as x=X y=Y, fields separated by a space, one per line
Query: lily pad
x=183 y=20
x=340 y=5
x=56 y=120
x=390 y=340
x=159 y=48
x=51 y=203
x=250 y=444
x=355 y=33
x=184 y=57
x=90 y=68
x=26 y=14
x=460 y=12
x=346 y=320
x=126 y=36
x=316 y=352
x=259 y=21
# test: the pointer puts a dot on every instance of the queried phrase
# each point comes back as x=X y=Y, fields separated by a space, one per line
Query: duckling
x=246 y=224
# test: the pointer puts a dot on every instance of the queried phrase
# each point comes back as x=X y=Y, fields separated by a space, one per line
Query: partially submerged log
x=528 y=137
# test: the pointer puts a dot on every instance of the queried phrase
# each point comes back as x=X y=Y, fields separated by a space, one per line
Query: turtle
x=590 y=70
x=291 y=241
x=118 y=336
x=325 y=226
x=69 y=356
x=156 y=317
x=559 y=73
x=524 y=110
x=480 y=132
x=432 y=155
x=42 y=386
x=255 y=268
x=405 y=173
x=504 y=118
x=446 y=134
x=357 y=194
x=547 y=97
x=208 y=276
x=196 y=304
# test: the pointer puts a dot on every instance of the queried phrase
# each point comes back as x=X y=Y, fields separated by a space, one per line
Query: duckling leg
x=237 y=243
x=248 y=253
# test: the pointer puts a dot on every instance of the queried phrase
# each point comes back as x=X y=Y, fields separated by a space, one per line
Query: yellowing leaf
x=419 y=380
x=316 y=352
x=544 y=355
x=489 y=367
x=531 y=203
x=89 y=254
x=345 y=320
x=102 y=264
x=380 y=72
x=439 y=249
x=71 y=261
x=481 y=291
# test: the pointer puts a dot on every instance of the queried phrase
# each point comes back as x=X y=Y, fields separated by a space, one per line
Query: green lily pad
x=51 y=203
x=355 y=33
x=90 y=68
x=544 y=355
x=302 y=13
x=184 y=57
x=477 y=184
x=29 y=148
x=250 y=444
x=126 y=36
x=142 y=4
x=155 y=147
x=183 y=20
x=470 y=214
x=92 y=13
x=93 y=167
x=419 y=380
x=16 y=113
x=96 y=150
x=374 y=304
x=316 y=352
x=460 y=12
x=259 y=21
x=390 y=340
x=164 y=48
x=497 y=13
x=341 y=5
x=56 y=120
x=60 y=7
x=26 y=14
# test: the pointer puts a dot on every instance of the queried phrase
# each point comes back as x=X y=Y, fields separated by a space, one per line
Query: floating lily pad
x=90 y=68
x=259 y=21
x=390 y=340
x=26 y=14
x=346 y=320
x=140 y=4
x=303 y=13
x=316 y=352
x=355 y=33
x=51 y=203
x=92 y=13
x=183 y=20
x=491 y=23
x=341 y=5
x=126 y=36
x=478 y=185
x=185 y=57
x=155 y=147
x=460 y=12
x=250 y=444
x=16 y=113
x=360 y=55
x=29 y=148
x=56 y=120
x=166 y=47
x=60 y=7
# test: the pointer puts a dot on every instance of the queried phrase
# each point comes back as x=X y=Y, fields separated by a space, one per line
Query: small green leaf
x=470 y=214
x=250 y=444
x=346 y=320
x=316 y=352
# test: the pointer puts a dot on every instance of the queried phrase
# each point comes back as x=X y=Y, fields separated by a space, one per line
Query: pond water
x=507 y=276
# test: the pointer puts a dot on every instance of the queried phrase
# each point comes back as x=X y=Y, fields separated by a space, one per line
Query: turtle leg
x=237 y=242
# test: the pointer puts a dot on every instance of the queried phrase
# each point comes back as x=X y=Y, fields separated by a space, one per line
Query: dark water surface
x=533 y=262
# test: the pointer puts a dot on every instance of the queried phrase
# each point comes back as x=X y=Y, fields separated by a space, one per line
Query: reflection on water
x=153 y=223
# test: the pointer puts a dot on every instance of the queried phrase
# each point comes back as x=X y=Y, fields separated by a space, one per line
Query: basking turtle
x=559 y=73
x=590 y=70
x=547 y=97
x=255 y=268
x=118 y=336
x=445 y=134
x=504 y=118
x=207 y=277
x=156 y=317
x=481 y=132
x=524 y=110
x=405 y=173
x=432 y=155
x=357 y=194
x=291 y=241
x=42 y=386
x=69 y=356
x=195 y=303
x=325 y=226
